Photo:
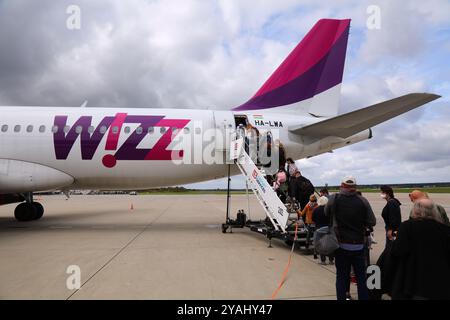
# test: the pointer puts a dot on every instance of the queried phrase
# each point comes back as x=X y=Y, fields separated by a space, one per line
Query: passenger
x=251 y=141
x=280 y=185
x=280 y=177
x=281 y=153
x=321 y=220
x=324 y=193
x=306 y=215
x=369 y=240
x=421 y=257
x=266 y=148
x=417 y=195
x=391 y=213
x=307 y=212
x=352 y=215
x=291 y=169
x=240 y=131
x=303 y=189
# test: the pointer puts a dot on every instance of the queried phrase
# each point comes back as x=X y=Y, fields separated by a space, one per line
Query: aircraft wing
x=348 y=124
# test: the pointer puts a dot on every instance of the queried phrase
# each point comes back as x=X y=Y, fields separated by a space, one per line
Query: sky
x=216 y=54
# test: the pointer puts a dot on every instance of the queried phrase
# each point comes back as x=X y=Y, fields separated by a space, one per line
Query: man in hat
x=351 y=215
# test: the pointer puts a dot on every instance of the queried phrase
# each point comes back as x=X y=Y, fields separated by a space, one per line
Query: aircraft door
x=224 y=124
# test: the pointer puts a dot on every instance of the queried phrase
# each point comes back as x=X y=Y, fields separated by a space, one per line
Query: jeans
x=344 y=260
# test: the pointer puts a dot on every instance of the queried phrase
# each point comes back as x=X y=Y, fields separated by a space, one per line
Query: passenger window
x=55 y=129
x=30 y=128
x=4 y=128
x=151 y=129
x=91 y=129
x=186 y=130
x=126 y=130
x=103 y=129
x=42 y=129
x=162 y=130
x=78 y=129
x=66 y=129
x=139 y=130
x=115 y=130
x=198 y=130
x=17 y=128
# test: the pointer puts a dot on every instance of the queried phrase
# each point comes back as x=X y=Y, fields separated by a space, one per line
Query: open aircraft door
x=225 y=126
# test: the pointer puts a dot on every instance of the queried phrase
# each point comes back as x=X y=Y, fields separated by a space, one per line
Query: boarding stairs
x=273 y=207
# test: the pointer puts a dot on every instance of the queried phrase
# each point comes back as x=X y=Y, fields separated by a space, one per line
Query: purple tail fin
x=314 y=66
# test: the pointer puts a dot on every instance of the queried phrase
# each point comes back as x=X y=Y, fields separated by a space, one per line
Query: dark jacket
x=320 y=218
x=392 y=215
x=303 y=188
x=421 y=260
x=352 y=216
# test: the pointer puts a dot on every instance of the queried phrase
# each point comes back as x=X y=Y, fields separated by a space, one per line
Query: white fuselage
x=143 y=142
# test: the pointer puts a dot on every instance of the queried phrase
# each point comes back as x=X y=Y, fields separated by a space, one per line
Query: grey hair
x=426 y=209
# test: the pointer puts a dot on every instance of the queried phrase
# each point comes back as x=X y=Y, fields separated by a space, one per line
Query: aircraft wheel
x=39 y=210
x=25 y=212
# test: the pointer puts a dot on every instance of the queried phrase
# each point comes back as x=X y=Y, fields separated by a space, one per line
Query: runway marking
x=103 y=227
x=121 y=250
x=60 y=227
x=212 y=226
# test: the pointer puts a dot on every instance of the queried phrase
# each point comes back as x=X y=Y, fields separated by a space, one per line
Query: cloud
x=400 y=36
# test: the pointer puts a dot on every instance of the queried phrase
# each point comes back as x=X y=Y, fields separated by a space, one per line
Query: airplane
x=67 y=148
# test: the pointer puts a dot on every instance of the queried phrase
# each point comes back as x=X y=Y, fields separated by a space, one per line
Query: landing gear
x=25 y=212
x=29 y=210
x=39 y=210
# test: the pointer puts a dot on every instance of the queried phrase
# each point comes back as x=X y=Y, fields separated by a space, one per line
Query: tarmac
x=166 y=247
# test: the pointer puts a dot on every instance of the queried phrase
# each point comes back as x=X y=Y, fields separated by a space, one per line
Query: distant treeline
x=418 y=185
x=436 y=187
x=441 y=187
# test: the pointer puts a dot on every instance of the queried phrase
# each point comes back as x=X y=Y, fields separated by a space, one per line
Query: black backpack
x=307 y=187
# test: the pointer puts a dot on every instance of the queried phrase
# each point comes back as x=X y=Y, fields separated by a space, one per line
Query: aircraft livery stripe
x=326 y=74
x=310 y=51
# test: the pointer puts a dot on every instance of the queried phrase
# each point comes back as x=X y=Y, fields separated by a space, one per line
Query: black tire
x=39 y=210
x=25 y=212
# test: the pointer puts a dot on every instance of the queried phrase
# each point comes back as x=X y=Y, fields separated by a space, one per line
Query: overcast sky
x=216 y=54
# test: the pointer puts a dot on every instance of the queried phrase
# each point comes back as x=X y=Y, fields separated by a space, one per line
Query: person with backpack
x=322 y=220
x=351 y=215
x=303 y=189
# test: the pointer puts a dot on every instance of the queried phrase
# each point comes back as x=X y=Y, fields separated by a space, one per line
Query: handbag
x=325 y=240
